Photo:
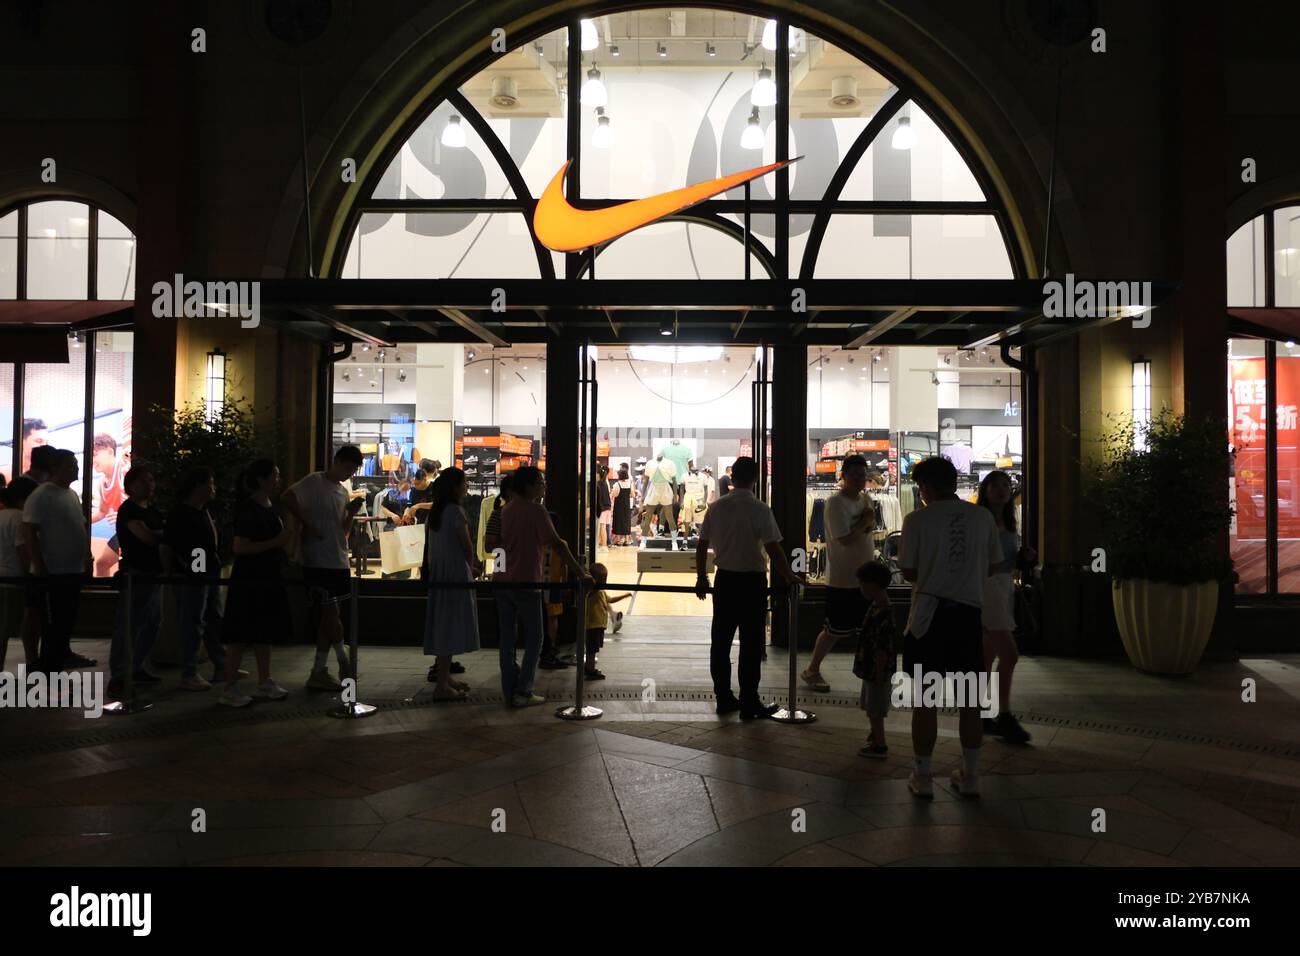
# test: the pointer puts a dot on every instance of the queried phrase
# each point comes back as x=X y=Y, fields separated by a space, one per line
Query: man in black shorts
x=947 y=551
x=321 y=506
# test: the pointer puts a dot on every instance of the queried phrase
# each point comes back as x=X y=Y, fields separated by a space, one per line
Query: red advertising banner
x=1248 y=414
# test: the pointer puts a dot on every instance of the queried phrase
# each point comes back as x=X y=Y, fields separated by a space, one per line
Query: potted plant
x=1164 y=504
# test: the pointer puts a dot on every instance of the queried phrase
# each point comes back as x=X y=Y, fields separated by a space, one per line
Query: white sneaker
x=234 y=699
x=970 y=790
x=195 y=683
x=527 y=700
x=270 y=690
x=920 y=786
x=321 y=680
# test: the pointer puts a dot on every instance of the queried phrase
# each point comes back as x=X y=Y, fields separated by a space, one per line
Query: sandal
x=815 y=681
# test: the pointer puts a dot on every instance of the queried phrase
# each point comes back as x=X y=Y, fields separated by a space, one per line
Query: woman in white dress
x=451 y=618
x=999 y=610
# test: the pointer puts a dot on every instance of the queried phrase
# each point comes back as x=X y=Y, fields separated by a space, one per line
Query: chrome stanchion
x=791 y=714
x=579 y=710
x=351 y=709
x=128 y=704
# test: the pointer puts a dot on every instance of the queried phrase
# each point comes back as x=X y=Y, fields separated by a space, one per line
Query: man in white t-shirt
x=948 y=548
x=743 y=534
x=58 y=541
x=850 y=519
x=320 y=503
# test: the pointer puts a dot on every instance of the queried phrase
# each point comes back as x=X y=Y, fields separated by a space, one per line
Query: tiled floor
x=656 y=782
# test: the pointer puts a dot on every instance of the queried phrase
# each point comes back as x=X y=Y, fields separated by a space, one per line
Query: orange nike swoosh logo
x=561 y=227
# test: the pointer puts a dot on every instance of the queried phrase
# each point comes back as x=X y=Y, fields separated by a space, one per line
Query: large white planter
x=1165 y=627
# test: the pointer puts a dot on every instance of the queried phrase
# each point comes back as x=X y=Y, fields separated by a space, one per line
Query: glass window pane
x=929 y=169
x=520 y=96
x=9 y=225
x=8 y=268
x=1288 y=469
x=430 y=165
x=110 y=227
x=1286 y=236
x=111 y=442
x=913 y=247
x=1246 y=264
x=54 y=397
x=6 y=420
x=1247 y=488
x=676 y=250
x=442 y=246
x=58 y=252
x=115 y=274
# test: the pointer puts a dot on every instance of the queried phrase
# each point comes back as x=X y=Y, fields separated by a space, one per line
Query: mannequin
x=660 y=495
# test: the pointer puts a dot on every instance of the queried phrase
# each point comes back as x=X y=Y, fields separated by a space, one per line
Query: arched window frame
x=23 y=209
x=709 y=213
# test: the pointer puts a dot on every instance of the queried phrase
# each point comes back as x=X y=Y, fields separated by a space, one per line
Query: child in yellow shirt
x=598 y=612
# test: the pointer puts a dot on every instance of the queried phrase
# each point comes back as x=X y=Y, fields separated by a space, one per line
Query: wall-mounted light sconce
x=1141 y=402
x=215 y=394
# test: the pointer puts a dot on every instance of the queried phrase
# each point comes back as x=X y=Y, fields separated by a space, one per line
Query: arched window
x=1263 y=266
x=56 y=251
x=665 y=98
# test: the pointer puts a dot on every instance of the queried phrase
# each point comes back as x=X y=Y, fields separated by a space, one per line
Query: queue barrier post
x=349 y=708
x=580 y=710
x=790 y=713
x=128 y=704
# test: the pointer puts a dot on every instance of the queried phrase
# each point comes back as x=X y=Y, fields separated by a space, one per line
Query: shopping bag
x=401 y=549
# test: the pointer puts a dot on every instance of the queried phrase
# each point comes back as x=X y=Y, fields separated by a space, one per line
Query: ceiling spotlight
x=710 y=49
x=666 y=327
x=453 y=134
x=904 y=137
x=366 y=347
x=603 y=138
x=614 y=51
x=947 y=360
x=877 y=357
x=76 y=342
x=752 y=138
x=769 y=35
x=401 y=375
x=471 y=354
x=381 y=355
x=593 y=91
x=764 y=89
x=590 y=40
x=661 y=50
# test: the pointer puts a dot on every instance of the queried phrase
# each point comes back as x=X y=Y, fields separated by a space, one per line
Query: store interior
x=483 y=409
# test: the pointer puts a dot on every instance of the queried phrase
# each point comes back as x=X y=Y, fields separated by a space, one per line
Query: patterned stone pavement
x=649 y=784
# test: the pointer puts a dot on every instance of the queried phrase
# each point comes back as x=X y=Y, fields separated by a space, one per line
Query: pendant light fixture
x=753 y=137
x=453 y=134
x=603 y=138
x=764 y=89
x=593 y=90
x=904 y=136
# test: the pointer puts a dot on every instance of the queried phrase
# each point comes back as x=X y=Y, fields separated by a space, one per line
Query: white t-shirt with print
x=950 y=544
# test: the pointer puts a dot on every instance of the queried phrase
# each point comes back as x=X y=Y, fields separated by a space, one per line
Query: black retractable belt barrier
x=350 y=708
x=128 y=704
